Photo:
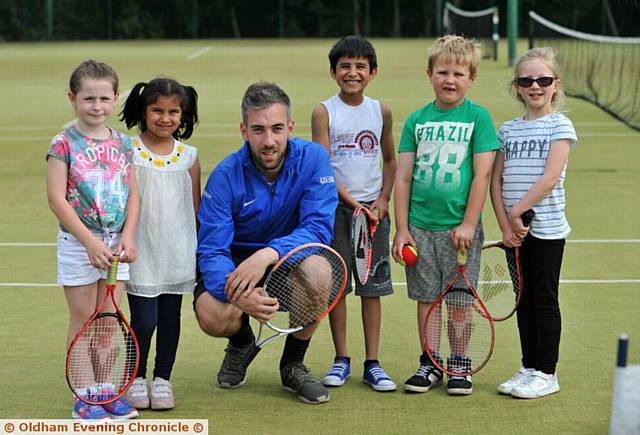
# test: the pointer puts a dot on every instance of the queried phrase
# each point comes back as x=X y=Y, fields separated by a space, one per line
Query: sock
x=342 y=358
x=368 y=362
x=244 y=337
x=294 y=350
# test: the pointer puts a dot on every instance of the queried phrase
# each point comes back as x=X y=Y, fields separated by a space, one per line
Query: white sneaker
x=161 y=395
x=138 y=394
x=519 y=378
x=539 y=384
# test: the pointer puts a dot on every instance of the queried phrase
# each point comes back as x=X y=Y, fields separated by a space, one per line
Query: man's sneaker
x=138 y=394
x=231 y=373
x=119 y=408
x=161 y=395
x=88 y=412
x=519 y=378
x=539 y=384
x=459 y=385
x=428 y=376
x=339 y=373
x=375 y=376
x=296 y=379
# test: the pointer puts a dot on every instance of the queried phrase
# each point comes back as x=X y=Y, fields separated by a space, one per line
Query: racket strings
x=362 y=244
x=102 y=360
x=457 y=331
x=306 y=285
x=499 y=284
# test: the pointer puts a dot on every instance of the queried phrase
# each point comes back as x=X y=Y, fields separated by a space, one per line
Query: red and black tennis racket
x=307 y=282
x=458 y=331
x=102 y=360
x=362 y=230
x=500 y=284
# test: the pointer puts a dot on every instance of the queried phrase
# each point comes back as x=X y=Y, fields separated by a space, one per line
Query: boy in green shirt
x=445 y=159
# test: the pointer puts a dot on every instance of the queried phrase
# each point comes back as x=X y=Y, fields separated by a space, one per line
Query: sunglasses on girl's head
x=527 y=82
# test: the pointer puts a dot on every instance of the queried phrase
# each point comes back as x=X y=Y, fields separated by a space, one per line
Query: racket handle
x=527 y=217
x=461 y=257
x=112 y=273
x=255 y=350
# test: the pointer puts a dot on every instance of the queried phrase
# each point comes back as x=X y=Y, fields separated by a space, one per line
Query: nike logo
x=249 y=202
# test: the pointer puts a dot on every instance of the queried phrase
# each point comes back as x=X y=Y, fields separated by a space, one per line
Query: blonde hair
x=454 y=48
x=547 y=55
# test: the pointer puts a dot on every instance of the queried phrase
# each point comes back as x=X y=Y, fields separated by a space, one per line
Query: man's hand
x=259 y=306
x=248 y=273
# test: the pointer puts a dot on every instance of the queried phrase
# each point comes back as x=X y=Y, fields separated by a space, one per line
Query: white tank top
x=354 y=136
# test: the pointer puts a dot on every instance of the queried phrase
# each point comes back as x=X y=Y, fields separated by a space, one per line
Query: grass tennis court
x=600 y=292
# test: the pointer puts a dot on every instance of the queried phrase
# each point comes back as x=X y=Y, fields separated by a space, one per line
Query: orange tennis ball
x=409 y=255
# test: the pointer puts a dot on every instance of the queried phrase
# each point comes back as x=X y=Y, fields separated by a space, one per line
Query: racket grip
x=461 y=257
x=527 y=217
x=112 y=273
x=255 y=350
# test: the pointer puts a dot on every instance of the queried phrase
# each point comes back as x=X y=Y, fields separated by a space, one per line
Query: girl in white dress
x=168 y=170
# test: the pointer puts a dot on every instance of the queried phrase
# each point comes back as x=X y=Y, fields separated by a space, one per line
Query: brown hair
x=92 y=69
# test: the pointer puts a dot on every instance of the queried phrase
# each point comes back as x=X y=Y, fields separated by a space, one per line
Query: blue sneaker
x=338 y=374
x=119 y=408
x=85 y=411
x=375 y=376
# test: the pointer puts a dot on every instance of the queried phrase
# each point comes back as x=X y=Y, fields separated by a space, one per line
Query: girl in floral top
x=168 y=171
x=92 y=190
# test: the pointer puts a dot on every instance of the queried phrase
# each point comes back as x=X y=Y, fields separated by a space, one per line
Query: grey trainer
x=297 y=379
x=231 y=373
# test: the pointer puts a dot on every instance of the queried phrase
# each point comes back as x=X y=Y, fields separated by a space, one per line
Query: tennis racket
x=362 y=230
x=307 y=282
x=459 y=327
x=102 y=360
x=500 y=284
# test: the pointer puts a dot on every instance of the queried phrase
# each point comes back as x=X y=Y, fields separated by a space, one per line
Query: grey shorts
x=379 y=283
x=437 y=265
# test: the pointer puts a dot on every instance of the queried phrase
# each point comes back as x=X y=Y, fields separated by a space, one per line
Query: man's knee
x=216 y=318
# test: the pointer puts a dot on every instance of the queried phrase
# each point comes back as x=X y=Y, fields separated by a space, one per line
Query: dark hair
x=134 y=110
x=353 y=46
x=262 y=95
x=92 y=69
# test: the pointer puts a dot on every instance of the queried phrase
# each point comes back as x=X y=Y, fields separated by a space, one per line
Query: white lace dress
x=166 y=232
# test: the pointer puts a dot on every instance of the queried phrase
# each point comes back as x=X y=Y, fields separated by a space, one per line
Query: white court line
x=197 y=54
x=578 y=241
x=400 y=284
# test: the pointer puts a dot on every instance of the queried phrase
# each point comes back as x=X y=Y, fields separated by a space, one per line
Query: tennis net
x=600 y=69
x=479 y=25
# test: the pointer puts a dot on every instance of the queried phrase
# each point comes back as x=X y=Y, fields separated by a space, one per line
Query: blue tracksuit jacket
x=241 y=213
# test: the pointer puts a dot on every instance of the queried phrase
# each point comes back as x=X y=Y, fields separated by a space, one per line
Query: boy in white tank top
x=357 y=131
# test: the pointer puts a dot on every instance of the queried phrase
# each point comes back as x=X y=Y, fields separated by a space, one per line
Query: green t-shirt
x=444 y=142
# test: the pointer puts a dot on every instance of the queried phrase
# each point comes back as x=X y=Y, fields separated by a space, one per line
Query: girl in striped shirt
x=528 y=173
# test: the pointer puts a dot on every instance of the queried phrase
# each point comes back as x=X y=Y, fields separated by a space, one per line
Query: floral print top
x=98 y=176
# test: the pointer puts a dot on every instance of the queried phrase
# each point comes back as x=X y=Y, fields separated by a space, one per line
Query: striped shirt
x=525 y=145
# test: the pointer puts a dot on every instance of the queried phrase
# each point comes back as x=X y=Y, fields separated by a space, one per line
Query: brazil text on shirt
x=444 y=131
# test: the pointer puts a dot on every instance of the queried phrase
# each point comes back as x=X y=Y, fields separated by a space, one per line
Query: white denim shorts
x=74 y=267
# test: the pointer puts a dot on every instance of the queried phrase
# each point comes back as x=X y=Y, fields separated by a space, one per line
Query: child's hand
x=401 y=238
x=517 y=227
x=510 y=239
x=462 y=236
x=127 y=250
x=372 y=214
x=99 y=254
x=380 y=207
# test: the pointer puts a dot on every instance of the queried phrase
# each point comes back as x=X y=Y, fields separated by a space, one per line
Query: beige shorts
x=74 y=267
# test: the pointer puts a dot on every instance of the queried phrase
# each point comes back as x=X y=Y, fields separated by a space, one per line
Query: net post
x=623 y=348
x=512 y=30
x=439 y=12
x=496 y=32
